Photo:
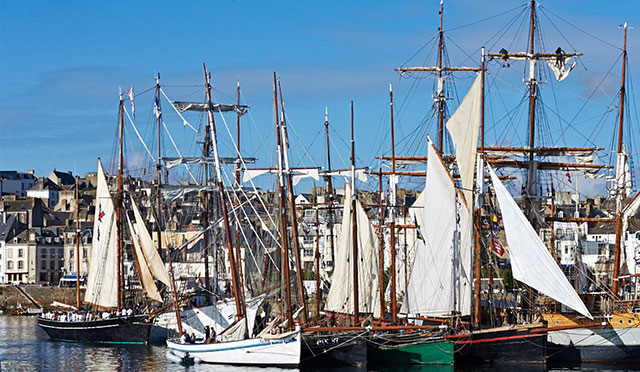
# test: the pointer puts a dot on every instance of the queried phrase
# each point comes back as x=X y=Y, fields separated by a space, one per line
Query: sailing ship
x=110 y=318
x=234 y=345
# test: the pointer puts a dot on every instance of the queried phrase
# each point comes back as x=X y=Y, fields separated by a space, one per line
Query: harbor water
x=25 y=347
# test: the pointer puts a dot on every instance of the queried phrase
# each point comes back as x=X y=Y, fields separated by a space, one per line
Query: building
x=9 y=227
x=16 y=183
x=35 y=256
x=62 y=178
x=46 y=190
x=29 y=211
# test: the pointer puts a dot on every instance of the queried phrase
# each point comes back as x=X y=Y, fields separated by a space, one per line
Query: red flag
x=569 y=176
x=496 y=247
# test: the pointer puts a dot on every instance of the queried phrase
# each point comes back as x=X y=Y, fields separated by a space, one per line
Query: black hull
x=572 y=356
x=344 y=349
x=501 y=346
x=128 y=330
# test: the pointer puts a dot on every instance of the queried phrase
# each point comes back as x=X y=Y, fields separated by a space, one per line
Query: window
x=20 y=252
x=84 y=253
x=52 y=265
x=72 y=267
x=9 y=265
x=9 y=253
x=20 y=265
x=60 y=253
x=71 y=253
x=43 y=265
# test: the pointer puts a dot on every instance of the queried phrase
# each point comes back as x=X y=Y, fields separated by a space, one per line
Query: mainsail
x=531 y=261
x=101 y=283
x=440 y=280
x=340 y=297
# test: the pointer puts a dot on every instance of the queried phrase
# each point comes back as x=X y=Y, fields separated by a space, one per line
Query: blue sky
x=61 y=64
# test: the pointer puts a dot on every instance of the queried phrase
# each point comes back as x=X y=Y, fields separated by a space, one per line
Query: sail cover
x=531 y=261
x=148 y=249
x=463 y=128
x=102 y=285
x=340 y=297
x=439 y=283
x=146 y=278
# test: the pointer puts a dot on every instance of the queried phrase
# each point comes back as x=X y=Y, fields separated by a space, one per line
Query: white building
x=46 y=190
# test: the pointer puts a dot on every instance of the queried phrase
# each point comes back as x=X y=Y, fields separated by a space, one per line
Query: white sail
x=102 y=285
x=440 y=278
x=463 y=127
x=340 y=297
x=156 y=266
x=144 y=273
x=531 y=261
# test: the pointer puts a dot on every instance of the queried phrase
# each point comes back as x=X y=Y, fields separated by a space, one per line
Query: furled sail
x=440 y=280
x=102 y=287
x=463 y=127
x=202 y=106
x=149 y=251
x=340 y=297
x=146 y=278
x=531 y=261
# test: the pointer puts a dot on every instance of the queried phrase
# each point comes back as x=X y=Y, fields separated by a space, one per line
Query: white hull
x=254 y=351
x=597 y=344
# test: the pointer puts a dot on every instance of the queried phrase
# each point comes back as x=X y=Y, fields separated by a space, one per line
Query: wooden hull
x=340 y=349
x=282 y=352
x=398 y=349
x=501 y=346
x=125 y=330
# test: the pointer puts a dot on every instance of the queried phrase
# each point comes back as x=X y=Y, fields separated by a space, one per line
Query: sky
x=62 y=63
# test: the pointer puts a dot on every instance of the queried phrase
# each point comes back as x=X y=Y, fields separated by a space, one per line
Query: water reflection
x=24 y=347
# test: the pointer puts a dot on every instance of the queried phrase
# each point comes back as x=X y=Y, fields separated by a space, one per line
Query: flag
x=496 y=247
x=133 y=106
x=156 y=107
x=569 y=176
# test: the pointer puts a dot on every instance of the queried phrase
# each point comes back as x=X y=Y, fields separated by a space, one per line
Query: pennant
x=133 y=106
x=418 y=232
x=568 y=176
x=156 y=107
x=496 y=247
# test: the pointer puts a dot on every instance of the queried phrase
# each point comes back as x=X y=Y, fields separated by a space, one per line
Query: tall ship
x=109 y=313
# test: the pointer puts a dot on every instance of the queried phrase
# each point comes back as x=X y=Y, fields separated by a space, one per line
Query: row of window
x=10 y=265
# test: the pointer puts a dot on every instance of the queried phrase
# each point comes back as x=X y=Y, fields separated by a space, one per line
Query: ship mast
x=204 y=217
x=620 y=169
x=392 y=199
x=118 y=206
x=477 y=249
x=292 y=209
x=440 y=95
x=283 y=216
x=223 y=198
x=158 y=166
x=78 y=302
x=354 y=227
x=329 y=185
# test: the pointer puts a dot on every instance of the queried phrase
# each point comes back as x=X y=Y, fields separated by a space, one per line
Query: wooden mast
x=619 y=187
x=381 y=248
x=223 y=198
x=292 y=210
x=282 y=208
x=238 y=139
x=329 y=186
x=238 y=226
x=118 y=206
x=158 y=167
x=477 y=249
x=78 y=302
x=317 y=267
x=354 y=228
x=204 y=216
x=440 y=94
x=392 y=199
x=532 y=82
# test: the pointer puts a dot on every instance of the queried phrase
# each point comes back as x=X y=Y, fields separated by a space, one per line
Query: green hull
x=433 y=352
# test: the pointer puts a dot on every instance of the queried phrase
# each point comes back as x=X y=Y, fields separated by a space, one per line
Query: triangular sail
x=156 y=266
x=340 y=297
x=101 y=282
x=531 y=261
x=463 y=127
x=440 y=278
x=144 y=273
